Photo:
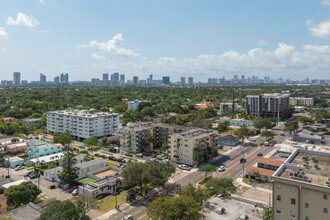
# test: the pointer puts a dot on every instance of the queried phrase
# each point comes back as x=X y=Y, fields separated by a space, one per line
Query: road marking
x=142 y=216
x=241 y=189
x=239 y=161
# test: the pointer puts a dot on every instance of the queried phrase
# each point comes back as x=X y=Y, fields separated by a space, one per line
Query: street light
x=7 y=164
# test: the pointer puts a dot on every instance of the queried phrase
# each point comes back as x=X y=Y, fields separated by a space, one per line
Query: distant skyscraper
x=183 y=80
x=105 y=76
x=150 y=77
x=135 y=80
x=122 y=79
x=166 y=80
x=57 y=80
x=64 y=78
x=115 y=78
x=17 y=78
x=190 y=80
x=42 y=78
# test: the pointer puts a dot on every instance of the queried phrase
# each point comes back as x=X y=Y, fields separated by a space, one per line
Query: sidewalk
x=107 y=215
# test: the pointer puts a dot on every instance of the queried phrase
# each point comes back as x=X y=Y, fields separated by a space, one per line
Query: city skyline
x=276 y=39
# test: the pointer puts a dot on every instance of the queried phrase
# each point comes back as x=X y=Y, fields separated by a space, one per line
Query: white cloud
x=325 y=2
x=23 y=20
x=114 y=46
x=321 y=30
x=3 y=33
x=97 y=56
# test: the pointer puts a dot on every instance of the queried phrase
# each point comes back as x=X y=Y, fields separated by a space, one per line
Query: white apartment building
x=268 y=105
x=182 y=144
x=83 y=124
x=134 y=105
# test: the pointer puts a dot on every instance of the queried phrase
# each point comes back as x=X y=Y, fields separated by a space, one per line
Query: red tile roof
x=261 y=171
x=270 y=161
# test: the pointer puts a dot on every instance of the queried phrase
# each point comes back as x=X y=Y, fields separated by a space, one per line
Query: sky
x=198 y=38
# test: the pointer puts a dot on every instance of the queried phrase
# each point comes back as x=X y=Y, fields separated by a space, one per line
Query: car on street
x=139 y=155
x=166 y=161
x=145 y=154
x=260 y=154
x=28 y=174
x=75 y=192
x=184 y=167
x=128 y=217
x=252 y=139
x=282 y=134
x=34 y=175
x=19 y=168
x=222 y=168
x=266 y=144
x=160 y=157
x=129 y=154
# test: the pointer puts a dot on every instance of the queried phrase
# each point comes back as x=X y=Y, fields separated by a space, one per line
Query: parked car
x=160 y=157
x=252 y=139
x=128 y=217
x=19 y=168
x=260 y=154
x=97 y=155
x=220 y=147
x=282 y=134
x=112 y=158
x=75 y=192
x=28 y=174
x=122 y=160
x=104 y=156
x=145 y=154
x=139 y=155
x=222 y=168
x=266 y=144
x=166 y=161
x=34 y=175
x=184 y=167
x=129 y=154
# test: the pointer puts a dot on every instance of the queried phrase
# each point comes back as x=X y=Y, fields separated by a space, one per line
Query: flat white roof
x=47 y=158
x=15 y=183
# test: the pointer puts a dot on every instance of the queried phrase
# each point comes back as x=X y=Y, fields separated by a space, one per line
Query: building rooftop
x=261 y=171
x=306 y=166
x=15 y=183
x=82 y=113
x=32 y=119
x=269 y=161
x=196 y=133
x=49 y=158
x=308 y=135
x=301 y=98
x=29 y=211
x=54 y=171
x=14 y=159
x=90 y=163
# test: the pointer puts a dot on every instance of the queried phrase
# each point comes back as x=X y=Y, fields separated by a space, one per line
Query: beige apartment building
x=299 y=101
x=132 y=136
x=182 y=144
x=301 y=187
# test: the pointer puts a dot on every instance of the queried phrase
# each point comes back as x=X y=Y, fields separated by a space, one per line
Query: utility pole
x=243 y=164
x=116 y=194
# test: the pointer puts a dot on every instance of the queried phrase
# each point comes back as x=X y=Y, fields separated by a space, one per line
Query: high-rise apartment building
x=115 y=78
x=135 y=80
x=182 y=144
x=301 y=187
x=17 y=78
x=105 y=76
x=42 y=79
x=56 y=80
x=83 y=124
x=273 y=105
x=122 y=79
x=190 y=81
x=64 y=78
x=183 y=81
x=166 y=80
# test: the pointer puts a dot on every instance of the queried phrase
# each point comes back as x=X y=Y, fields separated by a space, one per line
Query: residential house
x=15 y=161
x=108 y=185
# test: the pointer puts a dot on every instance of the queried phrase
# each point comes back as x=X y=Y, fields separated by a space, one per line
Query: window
x=293 y=189
x=306 y=205
x=325 y=210
x=278 y=198
x=306 y=192
x=306 y=218
x=293 y=201
x=325 y=196
x=278 y=185
x=278 y=210
x=293 y=214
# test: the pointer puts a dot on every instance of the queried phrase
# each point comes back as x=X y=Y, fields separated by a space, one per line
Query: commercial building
x=301 y=187
x=134 y=105
x=15 y=162
x=133 y=135
x=30 y=122
x=273 y=105
x=38 y=148
x=225 y=107
x=229 y=140
x=307 y=137
x=83 y=124
x=182 y=144
x=301 y=101
x=240 y=122
x=17 y=78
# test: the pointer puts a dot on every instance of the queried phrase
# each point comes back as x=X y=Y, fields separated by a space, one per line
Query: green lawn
x=108 y=203
x=86 y=180
x=111 y=163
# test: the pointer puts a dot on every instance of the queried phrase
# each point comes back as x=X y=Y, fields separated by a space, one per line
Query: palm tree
x=149 y=141
x=256 y=175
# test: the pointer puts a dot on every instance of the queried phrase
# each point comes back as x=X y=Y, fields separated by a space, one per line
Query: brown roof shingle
x=270 y=161
x=261 y=171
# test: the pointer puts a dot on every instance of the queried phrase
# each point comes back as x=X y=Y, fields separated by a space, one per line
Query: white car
x=252 y=139
x=128 y=217
x=184 y=167
x=166 y=161
x=222 y=168
x=75 y=192
x=19 y=168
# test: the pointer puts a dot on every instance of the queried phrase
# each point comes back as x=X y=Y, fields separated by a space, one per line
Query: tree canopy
x=61 y=210
x=243 y=132
x=220 y=186
x=21 y=194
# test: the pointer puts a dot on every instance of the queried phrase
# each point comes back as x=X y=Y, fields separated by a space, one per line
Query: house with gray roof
x=307 y=136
